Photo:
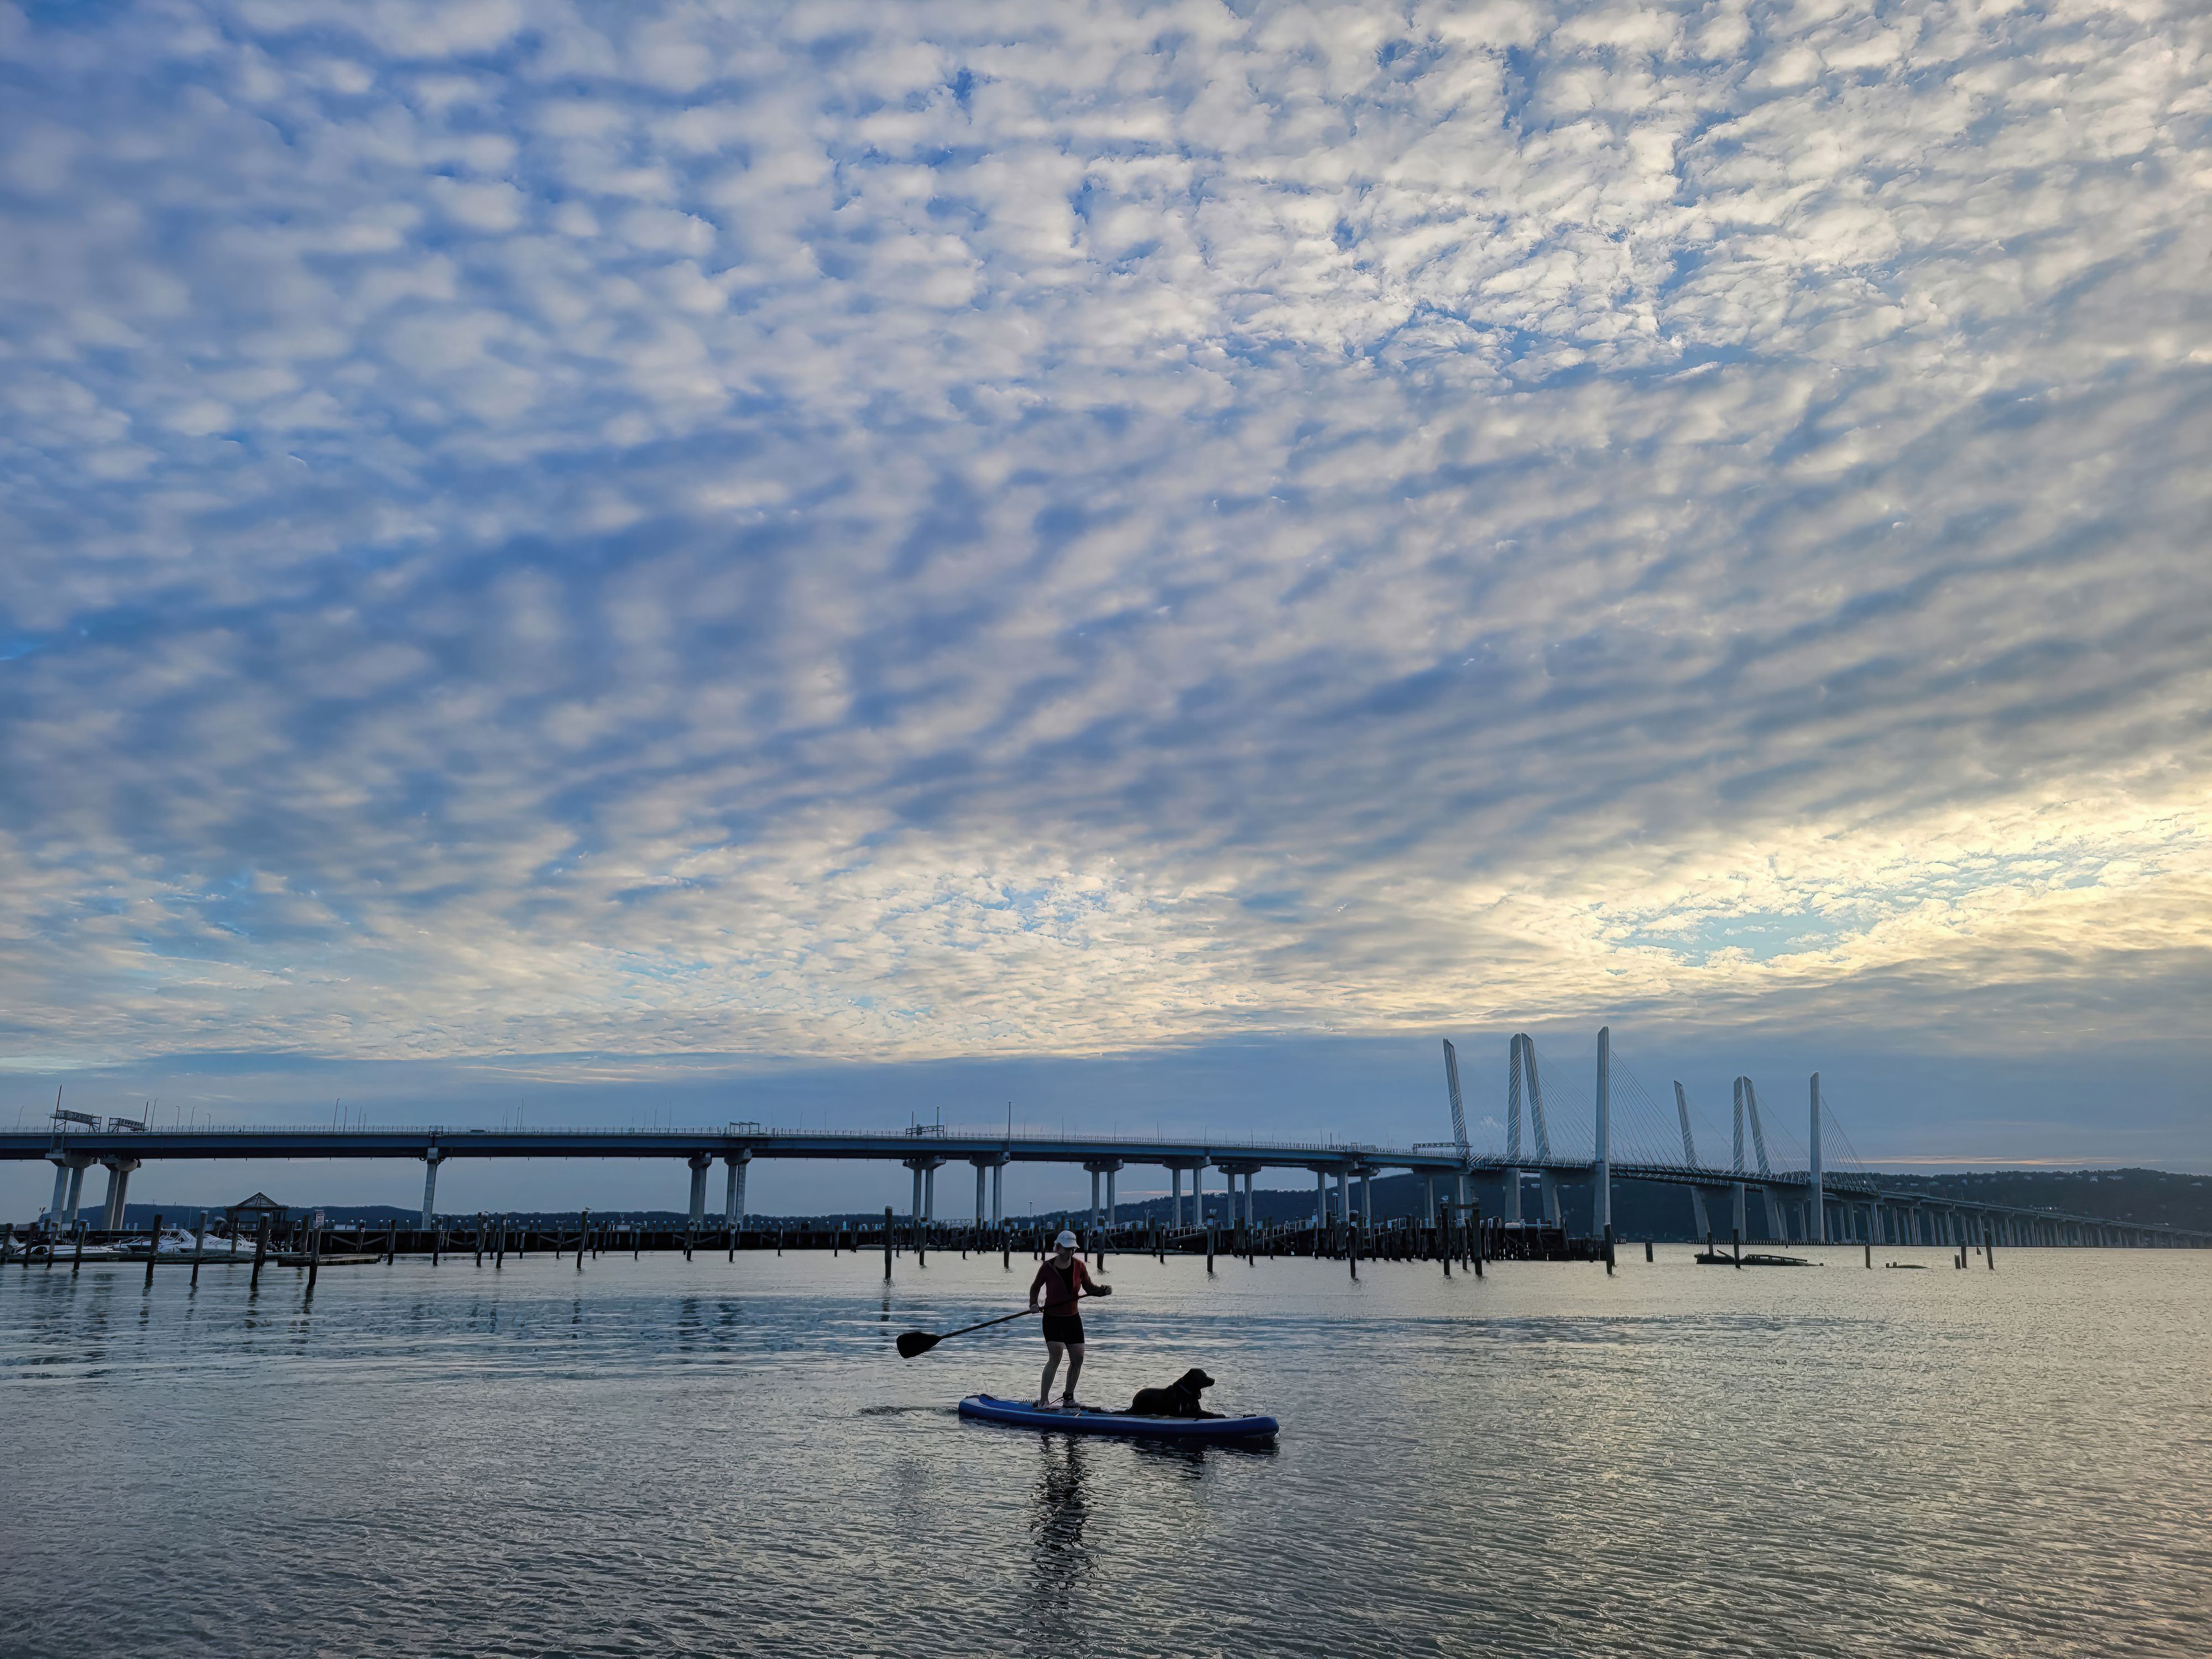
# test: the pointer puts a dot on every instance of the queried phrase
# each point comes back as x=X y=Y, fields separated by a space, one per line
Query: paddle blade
x=914 y=1342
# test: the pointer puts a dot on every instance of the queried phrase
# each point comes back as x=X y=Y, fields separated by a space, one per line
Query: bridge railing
x=921 y=1142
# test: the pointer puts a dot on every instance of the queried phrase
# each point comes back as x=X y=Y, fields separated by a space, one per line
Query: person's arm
x=1036 y=1285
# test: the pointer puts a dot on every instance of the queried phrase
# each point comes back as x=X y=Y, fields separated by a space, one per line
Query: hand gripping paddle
x=911 y=1343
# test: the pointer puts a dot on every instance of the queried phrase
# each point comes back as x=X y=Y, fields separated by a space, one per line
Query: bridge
x=1806 y=1201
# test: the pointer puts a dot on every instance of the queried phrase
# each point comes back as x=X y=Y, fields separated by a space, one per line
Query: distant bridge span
x=1850 y=1207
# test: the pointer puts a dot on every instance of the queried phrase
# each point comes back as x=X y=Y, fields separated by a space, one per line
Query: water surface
x=713 y=1458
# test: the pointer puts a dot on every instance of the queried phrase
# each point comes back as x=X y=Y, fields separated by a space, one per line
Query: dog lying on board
x=1181 y=1400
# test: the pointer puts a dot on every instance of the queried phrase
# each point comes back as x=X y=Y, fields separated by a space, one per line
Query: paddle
x=911 y=1343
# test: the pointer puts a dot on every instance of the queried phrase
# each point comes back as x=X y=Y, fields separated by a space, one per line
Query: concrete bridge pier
x=1344 y=1197
x=119 y=1188
x=996 y=1165
x=1320 y=1198
x=925 y=1188
x=1547 y=1187
x=68 y=1184
x=1819 y=1210
x=1108 y=1167
x=700 y=1162
x=733 y=1191
x=1699 y=1219
x=431 y=1160
x=1198 y=1194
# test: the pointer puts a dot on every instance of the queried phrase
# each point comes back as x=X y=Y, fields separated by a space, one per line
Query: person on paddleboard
x=1063 y=1281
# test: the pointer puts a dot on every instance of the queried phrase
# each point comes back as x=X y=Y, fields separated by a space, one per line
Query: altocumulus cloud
x=957 y=528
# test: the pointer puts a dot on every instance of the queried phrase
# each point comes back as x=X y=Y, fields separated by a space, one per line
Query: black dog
x=1181 y=1400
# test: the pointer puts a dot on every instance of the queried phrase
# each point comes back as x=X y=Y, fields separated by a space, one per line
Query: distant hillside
x=1640 y=1209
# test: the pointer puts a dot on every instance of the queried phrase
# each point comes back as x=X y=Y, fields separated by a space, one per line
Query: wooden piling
x=314 y=1258
x=583 y=1233
x=260 y=1253
x=499 y=1245
x=887 y=1242
x=152 y=1250
x=1735 y=1245
x=1352 y=1248
x=1609 y=1249
x=1647 y=1250
x=1209 y=1232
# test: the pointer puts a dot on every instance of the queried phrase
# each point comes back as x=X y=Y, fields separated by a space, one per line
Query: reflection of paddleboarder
x=1064 y=1280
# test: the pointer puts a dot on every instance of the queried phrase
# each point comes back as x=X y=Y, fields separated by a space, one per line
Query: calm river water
x=664 y=1458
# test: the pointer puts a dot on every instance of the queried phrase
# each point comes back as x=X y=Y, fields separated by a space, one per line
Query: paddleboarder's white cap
x=1065 y=1242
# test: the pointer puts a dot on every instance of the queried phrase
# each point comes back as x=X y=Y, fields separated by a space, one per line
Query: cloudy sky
x=724 y=560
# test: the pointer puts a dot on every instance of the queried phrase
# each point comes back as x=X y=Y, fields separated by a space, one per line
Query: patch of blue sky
x=1759 y=935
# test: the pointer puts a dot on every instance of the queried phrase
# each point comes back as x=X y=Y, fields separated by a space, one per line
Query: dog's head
x=1195 y=1380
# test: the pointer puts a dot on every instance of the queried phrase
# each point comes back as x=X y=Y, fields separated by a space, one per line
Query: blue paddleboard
x=1090 y=1419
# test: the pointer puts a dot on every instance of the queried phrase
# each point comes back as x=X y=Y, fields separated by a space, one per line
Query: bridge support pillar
x=733 y=1190
x=914 y=1214
x=1174 y=1195
x=999 y=1194
x=1550 y=1189
x=119 y=1190
x=1819 y=1206
x=1507 y=1208
x=700 y=1162
x=1699 y=1219
x=979 y=1172
x=1429 y=1202
x=1198 y=1194
x=1108 y=1167
x=68 y=1187
x=1321 y=1198
x=1601 y=1175
x=431 y=1160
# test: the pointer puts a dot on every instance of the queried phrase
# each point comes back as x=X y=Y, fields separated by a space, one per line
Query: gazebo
x=253 y=1209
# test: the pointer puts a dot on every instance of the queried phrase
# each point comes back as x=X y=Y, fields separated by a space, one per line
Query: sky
x=703 y=562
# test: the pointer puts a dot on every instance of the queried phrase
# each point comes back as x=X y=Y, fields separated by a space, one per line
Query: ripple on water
x=704 y=1457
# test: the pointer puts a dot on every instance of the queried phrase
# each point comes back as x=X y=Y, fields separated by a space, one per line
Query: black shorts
x=1063 y=1327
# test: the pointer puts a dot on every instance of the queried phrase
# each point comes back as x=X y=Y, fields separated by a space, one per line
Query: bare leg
x=1074 y=1369
x=1051 y=1365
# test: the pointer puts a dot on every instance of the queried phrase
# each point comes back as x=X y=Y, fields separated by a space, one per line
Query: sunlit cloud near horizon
x=554 y=535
